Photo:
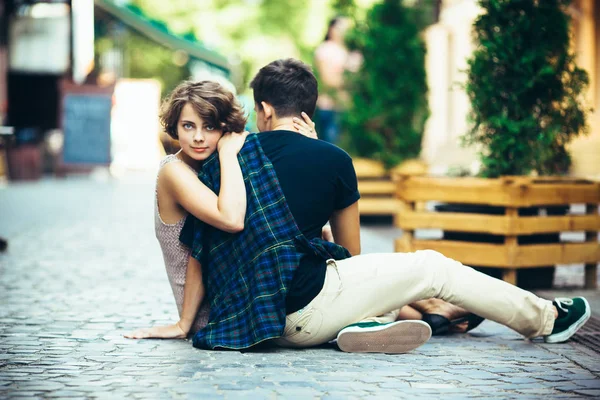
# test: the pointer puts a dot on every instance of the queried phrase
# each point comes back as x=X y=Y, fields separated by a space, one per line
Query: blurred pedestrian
x=332 y=60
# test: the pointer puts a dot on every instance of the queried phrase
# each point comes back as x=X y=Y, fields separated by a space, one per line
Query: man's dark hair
x=288 y=85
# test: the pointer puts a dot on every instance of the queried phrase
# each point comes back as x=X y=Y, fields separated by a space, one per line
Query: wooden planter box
x=377 y=191
x=512 y=193
x=376 y=187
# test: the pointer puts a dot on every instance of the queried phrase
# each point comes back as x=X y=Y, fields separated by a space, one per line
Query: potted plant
x=385 y=118
x=526 y=97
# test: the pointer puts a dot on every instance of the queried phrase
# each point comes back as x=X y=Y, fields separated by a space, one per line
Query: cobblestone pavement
x=83 y=267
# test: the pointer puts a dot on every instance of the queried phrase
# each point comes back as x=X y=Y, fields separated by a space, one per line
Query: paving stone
x=62 y=334
x=518 y=380
x=588 y=383
x=589 y=392
x=38 y=385
x=25 y=394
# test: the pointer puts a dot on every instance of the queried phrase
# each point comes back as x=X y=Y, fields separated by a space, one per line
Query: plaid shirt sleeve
x=247 y=274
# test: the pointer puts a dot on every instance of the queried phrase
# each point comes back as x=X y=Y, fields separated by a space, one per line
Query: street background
x=400 y=84
x=83 y=267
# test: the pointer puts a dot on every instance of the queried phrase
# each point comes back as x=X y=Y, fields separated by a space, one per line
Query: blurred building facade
x=586 y=43
x=48 y=51
x=450 y=44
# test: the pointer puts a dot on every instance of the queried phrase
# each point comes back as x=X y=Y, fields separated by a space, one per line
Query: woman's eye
x=187 y=126
x=210 y=128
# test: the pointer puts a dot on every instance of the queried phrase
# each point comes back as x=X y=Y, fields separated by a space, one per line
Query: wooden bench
x=377 y=188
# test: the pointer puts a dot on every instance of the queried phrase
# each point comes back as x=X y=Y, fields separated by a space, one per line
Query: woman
x=332 y=60
x=201 y=116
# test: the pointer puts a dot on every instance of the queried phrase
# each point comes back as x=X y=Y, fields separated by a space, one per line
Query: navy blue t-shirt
x=316 y=178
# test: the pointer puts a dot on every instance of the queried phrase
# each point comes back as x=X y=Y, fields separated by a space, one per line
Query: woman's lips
x=199 y=149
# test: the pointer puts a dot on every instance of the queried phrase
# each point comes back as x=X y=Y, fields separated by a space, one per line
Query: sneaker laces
x=563 y=301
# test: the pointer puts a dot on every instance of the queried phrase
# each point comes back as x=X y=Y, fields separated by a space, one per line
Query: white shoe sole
x=566 y=335
x=395 y=338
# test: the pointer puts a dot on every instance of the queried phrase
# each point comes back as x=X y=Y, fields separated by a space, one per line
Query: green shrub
x=524 y=87
x=388 y=96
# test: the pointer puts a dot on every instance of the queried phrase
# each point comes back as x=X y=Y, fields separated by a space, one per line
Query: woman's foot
x=443 y=316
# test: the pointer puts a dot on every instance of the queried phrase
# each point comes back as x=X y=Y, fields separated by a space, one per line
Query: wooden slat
x=378 y=206
x=559 y=253
x=549 y=194
x=376 y=187
x=565 y=223
x=543 y=179
x=366 y=168
x=497 y=224
x=509 y=275
x=502 y=192
x=501 y=256
x=591 y=269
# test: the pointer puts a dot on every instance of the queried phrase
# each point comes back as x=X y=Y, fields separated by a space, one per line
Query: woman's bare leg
x=409 y=312
x=443 y=308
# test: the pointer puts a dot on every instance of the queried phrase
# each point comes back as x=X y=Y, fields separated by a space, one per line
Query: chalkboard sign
x=86 y=126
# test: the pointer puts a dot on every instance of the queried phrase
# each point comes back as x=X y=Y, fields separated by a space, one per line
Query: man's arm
x=345 y=226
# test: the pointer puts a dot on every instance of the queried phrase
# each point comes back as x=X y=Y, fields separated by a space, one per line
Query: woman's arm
x=193 y=294
x=232 y=197
x=226 y=211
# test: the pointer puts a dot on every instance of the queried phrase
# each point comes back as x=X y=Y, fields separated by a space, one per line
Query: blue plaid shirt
x=247 y=274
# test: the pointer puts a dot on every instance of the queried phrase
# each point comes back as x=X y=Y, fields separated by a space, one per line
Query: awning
x=159 y=32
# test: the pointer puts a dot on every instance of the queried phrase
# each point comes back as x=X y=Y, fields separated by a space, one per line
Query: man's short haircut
x=288 y=85
x=215 y=104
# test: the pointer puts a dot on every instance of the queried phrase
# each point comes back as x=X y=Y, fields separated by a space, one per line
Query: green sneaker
x=392 y=338
x=572 y=315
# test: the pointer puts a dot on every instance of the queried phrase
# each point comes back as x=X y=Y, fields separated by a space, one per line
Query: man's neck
x=283 y=124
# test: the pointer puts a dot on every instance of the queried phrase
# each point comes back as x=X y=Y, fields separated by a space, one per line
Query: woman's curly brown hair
x=211 y=101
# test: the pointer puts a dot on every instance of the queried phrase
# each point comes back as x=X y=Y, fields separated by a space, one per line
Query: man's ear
x=268 y=110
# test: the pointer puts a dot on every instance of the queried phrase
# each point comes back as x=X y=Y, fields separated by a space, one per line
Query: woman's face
x=198 y=139
x=339 y=29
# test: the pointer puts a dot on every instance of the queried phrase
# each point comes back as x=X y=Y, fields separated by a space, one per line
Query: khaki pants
x=370 y=285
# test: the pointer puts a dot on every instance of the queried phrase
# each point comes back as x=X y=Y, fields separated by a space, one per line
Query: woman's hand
x=158 y=332
x=231 y=143
x=306 y=126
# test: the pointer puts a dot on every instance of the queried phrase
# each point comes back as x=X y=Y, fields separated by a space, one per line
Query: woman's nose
x=199 y=136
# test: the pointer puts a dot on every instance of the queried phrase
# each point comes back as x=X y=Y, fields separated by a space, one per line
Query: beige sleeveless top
x=176 y=255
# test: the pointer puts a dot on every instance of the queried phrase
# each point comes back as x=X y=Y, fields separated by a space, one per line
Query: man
x=277 y=280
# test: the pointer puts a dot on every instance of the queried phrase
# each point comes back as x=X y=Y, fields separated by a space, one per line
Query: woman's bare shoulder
x=175 y=171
